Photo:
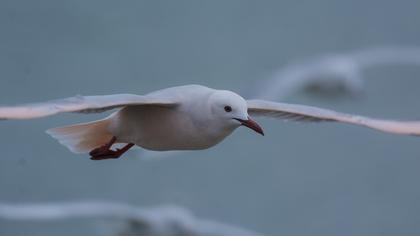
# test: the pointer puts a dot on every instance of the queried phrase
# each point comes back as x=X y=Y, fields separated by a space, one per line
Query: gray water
x=300 y=179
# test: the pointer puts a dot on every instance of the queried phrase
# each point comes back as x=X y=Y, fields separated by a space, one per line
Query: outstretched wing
x=308 y=113
x=82 y=104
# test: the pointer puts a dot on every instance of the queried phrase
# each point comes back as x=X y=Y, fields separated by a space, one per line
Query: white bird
x=334 y=73
x=156 y=221
x=189 y=117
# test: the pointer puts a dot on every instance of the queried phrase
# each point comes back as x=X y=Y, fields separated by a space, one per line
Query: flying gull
x=190 y=117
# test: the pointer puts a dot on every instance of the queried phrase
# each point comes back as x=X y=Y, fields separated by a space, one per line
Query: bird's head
x=232 y=110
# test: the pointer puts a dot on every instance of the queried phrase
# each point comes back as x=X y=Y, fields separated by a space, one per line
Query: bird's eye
x=228 y=108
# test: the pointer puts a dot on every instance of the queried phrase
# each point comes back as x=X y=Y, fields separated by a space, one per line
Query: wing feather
x=80 y=104
x=314 y=114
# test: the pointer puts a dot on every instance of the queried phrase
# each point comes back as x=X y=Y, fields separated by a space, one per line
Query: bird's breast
x=162 y=128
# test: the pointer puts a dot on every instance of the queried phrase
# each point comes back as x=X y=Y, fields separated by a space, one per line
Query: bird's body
x=187 y=126
x=189 y=117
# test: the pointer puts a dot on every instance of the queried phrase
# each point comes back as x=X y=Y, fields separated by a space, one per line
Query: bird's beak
x=250 y=123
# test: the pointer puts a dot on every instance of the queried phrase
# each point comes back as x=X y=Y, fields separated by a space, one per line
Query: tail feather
x=82 y=138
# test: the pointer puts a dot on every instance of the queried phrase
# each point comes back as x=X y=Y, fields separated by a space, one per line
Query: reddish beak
x=250 y=123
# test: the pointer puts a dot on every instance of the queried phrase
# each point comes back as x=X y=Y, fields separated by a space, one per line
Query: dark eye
x=228 y=108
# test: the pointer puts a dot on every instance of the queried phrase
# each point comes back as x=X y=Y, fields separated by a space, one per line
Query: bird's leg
x=111 y=154
x=105 y=152
x=104 y=148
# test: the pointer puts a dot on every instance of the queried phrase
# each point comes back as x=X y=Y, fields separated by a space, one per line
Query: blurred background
x=300 y=179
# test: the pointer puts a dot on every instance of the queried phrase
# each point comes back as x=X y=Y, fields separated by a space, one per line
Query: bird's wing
x=82 y=104
x=56 y=211
x=308 y=113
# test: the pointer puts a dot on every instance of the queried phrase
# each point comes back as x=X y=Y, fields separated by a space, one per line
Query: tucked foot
x=101 y=154
x=109 y=154
x=105 y=152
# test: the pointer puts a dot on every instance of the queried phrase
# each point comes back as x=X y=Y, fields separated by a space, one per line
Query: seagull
x=189 y=117
x=165 y=220
x=334 y=74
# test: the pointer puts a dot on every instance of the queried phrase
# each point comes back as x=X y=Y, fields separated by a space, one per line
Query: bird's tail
x=82 y=138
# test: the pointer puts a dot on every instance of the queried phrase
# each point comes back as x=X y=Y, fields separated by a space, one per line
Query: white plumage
x=157 y=221
x=187 y=117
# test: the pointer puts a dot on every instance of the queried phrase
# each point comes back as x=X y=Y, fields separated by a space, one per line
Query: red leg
x=104 y=148
x=105 y=152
